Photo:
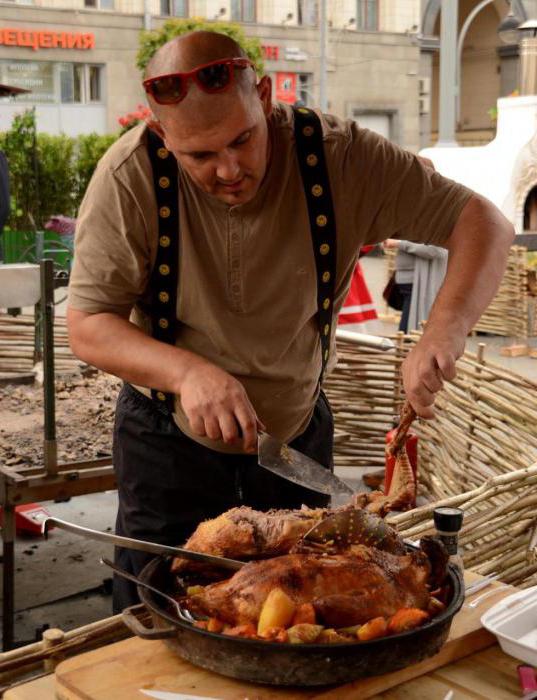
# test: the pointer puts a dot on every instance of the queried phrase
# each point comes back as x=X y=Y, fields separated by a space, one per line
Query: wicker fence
x=508 y=314
x=474 y=454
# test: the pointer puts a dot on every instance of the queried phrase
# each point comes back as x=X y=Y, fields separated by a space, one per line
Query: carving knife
x=294 y=466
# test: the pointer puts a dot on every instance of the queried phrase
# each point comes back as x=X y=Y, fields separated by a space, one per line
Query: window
x=307 y=12
x=305 y=95
x=100 y=4
x=94 y=92
x=243 y=10
x=174 y=8
x=53 y=83
x=367 y=14
x=71 y=82
x=37 y=76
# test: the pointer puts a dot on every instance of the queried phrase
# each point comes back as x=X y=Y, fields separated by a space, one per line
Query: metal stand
x=26 y=484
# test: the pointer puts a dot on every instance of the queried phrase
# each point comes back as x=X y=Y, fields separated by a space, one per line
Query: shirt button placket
x=235 y=281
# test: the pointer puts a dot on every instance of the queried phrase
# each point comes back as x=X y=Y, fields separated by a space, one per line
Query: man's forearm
x=113 y=344
x=478 y=250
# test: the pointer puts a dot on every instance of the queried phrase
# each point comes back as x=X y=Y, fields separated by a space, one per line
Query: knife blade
x=294 y=466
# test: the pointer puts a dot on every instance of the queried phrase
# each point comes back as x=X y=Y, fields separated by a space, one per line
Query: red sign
x=46 y=39
x=270 y=53
x=286 y=87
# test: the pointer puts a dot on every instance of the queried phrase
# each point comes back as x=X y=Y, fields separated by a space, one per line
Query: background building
x=78 y=57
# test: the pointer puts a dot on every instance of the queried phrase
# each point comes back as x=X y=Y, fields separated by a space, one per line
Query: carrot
x=375 y=628
x=201 y=624
x=407 y=619
x=214 y=625
x=305 y=614
x=247 y=630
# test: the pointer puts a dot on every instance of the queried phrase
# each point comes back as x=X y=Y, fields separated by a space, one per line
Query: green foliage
x=55 y=177
x=90 y=149
x=47 y=174
x=151 y=41
x=19 y=145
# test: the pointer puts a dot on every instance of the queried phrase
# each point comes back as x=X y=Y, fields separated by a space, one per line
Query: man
x=248 y=349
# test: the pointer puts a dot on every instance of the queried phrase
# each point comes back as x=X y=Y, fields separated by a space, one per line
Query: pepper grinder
x=448 y=522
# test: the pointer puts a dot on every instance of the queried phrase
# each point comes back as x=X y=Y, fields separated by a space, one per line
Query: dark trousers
x=168 y=483
x=405 y=290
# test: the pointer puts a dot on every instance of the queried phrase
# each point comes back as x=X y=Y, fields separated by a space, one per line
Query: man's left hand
x=428 y=365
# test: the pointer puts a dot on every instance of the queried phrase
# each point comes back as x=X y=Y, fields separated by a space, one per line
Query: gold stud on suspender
x=163 y=323
x=308 y=131
x=316 y=190
x=164 y=297
x=327 y=329
x=164 y=182
x=164 y=212
x=164 y=269
x=162 y=153
x=324 y=249
x=326 y=276
x=312 y=160
x=321 y=220
x=161 y=396
x=164 y=241
x=326 y=304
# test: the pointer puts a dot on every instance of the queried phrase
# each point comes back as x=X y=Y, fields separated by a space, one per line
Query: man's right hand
x=217 y=406
x=215 y=403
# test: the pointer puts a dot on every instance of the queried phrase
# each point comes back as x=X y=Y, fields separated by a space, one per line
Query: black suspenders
x=165 y=275
x=312 y=163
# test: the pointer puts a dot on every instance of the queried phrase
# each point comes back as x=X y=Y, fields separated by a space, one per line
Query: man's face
x=226 y=157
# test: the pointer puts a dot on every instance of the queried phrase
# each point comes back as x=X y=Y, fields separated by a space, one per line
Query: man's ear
x=264 y=90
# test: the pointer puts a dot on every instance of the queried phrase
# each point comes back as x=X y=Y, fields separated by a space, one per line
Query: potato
x=435 y=606
x=373 y=629
x=277 y=611
x=304 y=633
x=194 y=590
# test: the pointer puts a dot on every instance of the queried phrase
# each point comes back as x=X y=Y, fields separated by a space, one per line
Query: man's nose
x=228 y=168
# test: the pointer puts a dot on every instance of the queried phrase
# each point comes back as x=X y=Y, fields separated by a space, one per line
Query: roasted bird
x=243 y=533
x=349 y=588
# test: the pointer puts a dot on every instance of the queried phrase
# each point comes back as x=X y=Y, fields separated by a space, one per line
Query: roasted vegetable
x=276 y=634
x=247 y=631
x=194 y=590
x=277 y=611
x=407 y=619
x=330 y=636
x=375 y=628
x=214 y=625
x=304 y=633
x=305 y=614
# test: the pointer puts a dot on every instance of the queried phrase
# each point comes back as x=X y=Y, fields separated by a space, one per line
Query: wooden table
x=487 y=675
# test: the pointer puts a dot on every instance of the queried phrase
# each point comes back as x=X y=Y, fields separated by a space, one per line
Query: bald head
x=184 y=53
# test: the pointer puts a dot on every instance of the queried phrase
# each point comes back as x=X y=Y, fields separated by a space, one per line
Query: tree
x=150 y=42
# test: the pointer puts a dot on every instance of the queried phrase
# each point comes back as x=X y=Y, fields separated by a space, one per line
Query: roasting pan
x=289 y=664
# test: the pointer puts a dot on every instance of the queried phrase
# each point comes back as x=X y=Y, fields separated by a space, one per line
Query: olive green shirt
x=247 y=297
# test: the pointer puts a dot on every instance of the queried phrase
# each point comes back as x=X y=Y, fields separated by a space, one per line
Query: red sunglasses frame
x=241 y=63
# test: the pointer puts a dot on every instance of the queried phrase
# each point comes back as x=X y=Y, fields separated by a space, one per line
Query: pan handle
x=140 y=630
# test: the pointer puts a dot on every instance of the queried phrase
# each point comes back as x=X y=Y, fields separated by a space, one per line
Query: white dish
x=514 y=622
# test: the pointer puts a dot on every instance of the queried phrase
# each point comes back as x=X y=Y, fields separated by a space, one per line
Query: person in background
x=419 y=273
x=4 y=197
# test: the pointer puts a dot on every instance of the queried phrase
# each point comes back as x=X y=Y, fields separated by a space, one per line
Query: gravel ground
x=84 y=420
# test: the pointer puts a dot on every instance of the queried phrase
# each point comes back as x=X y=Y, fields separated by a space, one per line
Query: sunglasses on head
x=216 y=76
